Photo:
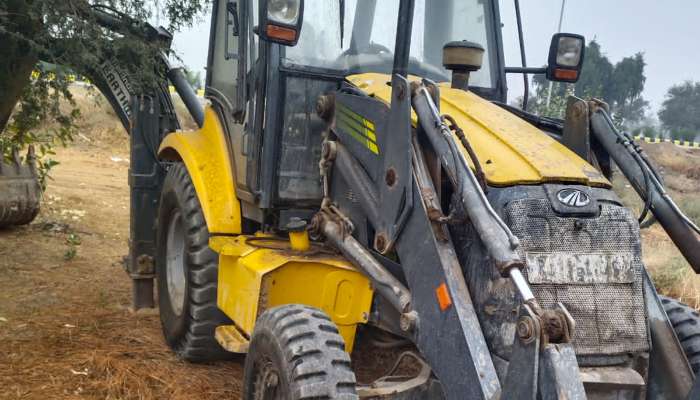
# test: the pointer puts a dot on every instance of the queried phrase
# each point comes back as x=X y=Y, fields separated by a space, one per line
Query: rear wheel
x=686 y=324
x=297 y=353
x=186 y=270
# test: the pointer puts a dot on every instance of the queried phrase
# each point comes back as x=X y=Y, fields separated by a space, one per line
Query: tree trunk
x=17 y=58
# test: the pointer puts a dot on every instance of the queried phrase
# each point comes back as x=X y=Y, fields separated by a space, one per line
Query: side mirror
x=280 y=21
x=566 y=57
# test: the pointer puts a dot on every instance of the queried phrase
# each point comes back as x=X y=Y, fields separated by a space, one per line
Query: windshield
x=367 y=38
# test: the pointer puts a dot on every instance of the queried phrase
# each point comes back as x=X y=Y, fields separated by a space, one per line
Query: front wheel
x=297 y=353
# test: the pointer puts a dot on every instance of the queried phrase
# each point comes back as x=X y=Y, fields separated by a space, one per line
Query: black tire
x=296 y=353
x=188 y=323
x=686 y=324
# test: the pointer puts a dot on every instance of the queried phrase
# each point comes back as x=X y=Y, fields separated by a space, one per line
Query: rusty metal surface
x=577 y=135
x=20 y=192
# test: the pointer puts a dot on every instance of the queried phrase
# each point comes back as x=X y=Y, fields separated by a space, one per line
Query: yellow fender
x=206 y=157
x=257 y=275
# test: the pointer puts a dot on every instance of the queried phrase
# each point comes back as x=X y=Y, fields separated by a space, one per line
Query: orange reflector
x=281 y=33
x=443 y=297
x=567 y=74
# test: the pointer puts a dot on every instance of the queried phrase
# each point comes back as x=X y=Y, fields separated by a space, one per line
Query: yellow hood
x=510 y=150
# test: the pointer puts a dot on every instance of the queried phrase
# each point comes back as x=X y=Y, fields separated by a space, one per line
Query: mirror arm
x=526 y=70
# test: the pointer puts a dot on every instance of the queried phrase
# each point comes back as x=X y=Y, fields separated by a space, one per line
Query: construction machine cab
x=264 y=79
x=266 y=89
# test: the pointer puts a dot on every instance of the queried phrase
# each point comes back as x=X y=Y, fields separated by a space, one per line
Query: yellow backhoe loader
x=356 y=168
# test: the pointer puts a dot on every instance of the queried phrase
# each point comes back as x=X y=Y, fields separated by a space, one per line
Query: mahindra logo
x=573 y=198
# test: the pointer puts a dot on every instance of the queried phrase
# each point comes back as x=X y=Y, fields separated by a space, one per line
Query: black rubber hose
x=480 y=175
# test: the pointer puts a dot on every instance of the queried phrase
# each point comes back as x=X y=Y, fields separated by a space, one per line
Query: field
x=65 y=325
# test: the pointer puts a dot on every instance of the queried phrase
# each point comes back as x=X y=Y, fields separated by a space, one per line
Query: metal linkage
x=496 y=236
x=636 y=168
x=337 y=228
x=384 y=282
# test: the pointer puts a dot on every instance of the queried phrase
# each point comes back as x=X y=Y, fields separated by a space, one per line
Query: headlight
x=283 y=11
x=569 y=51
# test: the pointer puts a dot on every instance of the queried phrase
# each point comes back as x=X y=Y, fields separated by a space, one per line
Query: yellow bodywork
x=256 y=273
x=252 y=278
x=511 y=151
x=260 y=272
x=205 y=154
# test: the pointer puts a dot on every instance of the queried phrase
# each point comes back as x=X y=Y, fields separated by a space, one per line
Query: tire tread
x=319 y=367
x=686 y=323
x=197 y=344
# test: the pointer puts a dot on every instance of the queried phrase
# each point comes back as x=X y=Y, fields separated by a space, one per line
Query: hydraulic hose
x=682 y=231
x=499 y=241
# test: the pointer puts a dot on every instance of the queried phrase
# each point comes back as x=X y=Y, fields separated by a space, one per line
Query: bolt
x=579 y=109
x=325 y=107
x=390 y=177
x=401 y=92
x=526 y=329
x=380 y=242
x=408 y=321
x=328 y=150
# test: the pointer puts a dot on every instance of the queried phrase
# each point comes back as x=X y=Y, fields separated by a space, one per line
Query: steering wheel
x=372 y=48
x=378 y=56
x=376 y=48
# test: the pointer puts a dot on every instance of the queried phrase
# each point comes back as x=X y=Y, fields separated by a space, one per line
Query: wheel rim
x=266 y=381
x=175 y=263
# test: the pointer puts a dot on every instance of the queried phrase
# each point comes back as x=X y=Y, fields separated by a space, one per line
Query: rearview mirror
x=280 y=21
x=566 y=57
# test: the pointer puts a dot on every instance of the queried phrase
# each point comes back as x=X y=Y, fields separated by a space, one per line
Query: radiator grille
x=610 y=316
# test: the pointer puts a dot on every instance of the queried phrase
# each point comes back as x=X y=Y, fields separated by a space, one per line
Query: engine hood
x=511 y=150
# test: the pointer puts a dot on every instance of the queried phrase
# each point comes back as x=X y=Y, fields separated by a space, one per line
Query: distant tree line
x=680 y=112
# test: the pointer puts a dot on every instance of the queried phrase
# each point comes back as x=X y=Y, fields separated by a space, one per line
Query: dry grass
x=680 y=168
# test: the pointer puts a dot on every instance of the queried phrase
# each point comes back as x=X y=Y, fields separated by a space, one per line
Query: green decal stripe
x=364 y=124
x=343 y=124
x=359 y=129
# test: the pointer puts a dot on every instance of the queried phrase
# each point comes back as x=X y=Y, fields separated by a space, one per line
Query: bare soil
x=66 y=329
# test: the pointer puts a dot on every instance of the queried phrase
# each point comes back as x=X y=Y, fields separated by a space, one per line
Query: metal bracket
x=396 y=187
x=391 y=384
x=538 y=368
x=523 y=369
x=559 y=376
x=577 y=135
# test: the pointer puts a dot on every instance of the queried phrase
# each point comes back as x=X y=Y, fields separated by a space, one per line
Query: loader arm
x=436 y=305
x=147 y=113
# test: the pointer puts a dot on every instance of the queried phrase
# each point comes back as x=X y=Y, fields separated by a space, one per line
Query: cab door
x=226 y=87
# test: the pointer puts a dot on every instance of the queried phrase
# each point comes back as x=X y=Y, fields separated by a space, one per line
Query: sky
x=667 y=32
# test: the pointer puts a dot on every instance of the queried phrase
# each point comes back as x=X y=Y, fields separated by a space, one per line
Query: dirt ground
x=66 y=331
